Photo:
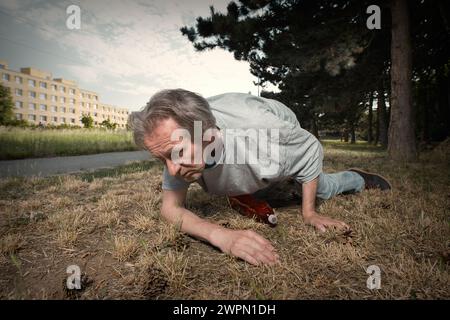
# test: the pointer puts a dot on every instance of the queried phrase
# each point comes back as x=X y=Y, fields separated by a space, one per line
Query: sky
x=124 y=50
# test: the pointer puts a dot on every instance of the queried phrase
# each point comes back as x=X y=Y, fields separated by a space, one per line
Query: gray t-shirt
x=296 y=152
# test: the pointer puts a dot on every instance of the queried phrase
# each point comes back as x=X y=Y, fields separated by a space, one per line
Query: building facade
x=39 y=98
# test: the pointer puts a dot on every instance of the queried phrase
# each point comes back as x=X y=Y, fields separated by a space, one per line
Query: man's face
x=160 y=145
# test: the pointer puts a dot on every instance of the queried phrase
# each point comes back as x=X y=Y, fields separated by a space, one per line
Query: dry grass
x=109 y=225
x=125 y=247
x=10 y=243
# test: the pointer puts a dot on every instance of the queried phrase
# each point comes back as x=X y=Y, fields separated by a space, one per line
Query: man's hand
x=322 y=222
x=245 y=244
x=310 y=215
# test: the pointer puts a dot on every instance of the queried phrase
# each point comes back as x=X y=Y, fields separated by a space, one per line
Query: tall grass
x=19 y=143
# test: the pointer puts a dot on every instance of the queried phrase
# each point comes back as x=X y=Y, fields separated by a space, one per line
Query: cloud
x=135 y=47
x=86 y=73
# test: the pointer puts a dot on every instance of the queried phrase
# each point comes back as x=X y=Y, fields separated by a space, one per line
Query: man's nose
x=174 y=168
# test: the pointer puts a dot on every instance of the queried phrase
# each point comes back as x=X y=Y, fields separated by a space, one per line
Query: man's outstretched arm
x=244 y=244
x=310 y=216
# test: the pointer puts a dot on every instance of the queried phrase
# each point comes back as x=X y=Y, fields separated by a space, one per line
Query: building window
x=63 y=120
x=19 y=92
x=19 y=104
x=32 y=83
x=72 y=91
x=71 y=110
x=72 y=120
x=43 y=118
x=95 y=114
x=87 y=105
x=95 y=106
x=55 y=119
x=62 y=89
x=54 y=98
x=32 y=117
x=32 y=94
x=18 y=79
x=32 y=106
x=43 y=107
x=54 y=87
x=54 y=109
x=6 y=77
x=62 y=99
x=42 y=96
x=19 y=116
x=72 y=101
x=43 y=85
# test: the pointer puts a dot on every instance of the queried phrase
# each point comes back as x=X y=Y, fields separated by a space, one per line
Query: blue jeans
x=331 y=184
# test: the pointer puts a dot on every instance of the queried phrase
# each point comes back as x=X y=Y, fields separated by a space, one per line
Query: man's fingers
x=247 y=257
x=265 y=259
x=346 y=226
x=321 y=227
x=260 y=239
x=341 y=225
x=253 y=256
x=259 y=251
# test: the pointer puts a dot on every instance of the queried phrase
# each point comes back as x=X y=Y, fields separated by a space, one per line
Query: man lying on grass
x=274 y=149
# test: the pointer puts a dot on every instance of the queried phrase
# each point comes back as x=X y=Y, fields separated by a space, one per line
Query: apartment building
x=39 y=98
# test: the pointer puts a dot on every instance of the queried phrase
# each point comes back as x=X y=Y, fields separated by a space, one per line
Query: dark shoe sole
x=365 y=175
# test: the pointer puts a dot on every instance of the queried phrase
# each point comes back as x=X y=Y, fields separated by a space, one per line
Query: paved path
x=60 y=165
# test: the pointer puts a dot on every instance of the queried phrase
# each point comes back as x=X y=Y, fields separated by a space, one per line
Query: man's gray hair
x=181 y=105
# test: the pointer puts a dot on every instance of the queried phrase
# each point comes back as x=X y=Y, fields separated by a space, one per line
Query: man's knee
x=324 y=196
x=326 y=188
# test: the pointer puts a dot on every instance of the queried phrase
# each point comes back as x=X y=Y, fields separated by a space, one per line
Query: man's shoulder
x=242 y=102
x=228 y=96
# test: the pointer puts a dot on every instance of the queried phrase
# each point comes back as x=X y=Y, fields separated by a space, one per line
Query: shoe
x=373 y=180
x=252 y=207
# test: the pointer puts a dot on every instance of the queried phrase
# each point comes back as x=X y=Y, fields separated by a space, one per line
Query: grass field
x=108 y=224
x=19 y=143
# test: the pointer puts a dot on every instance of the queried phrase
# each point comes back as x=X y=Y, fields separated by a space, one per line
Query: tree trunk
x=352 y=134
x=382 y=118
x=314 y=128
x=345 y=134
x=402 y=142
x=370 y=119
x=443 y=87
x=377 y=129
x=425 y=113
